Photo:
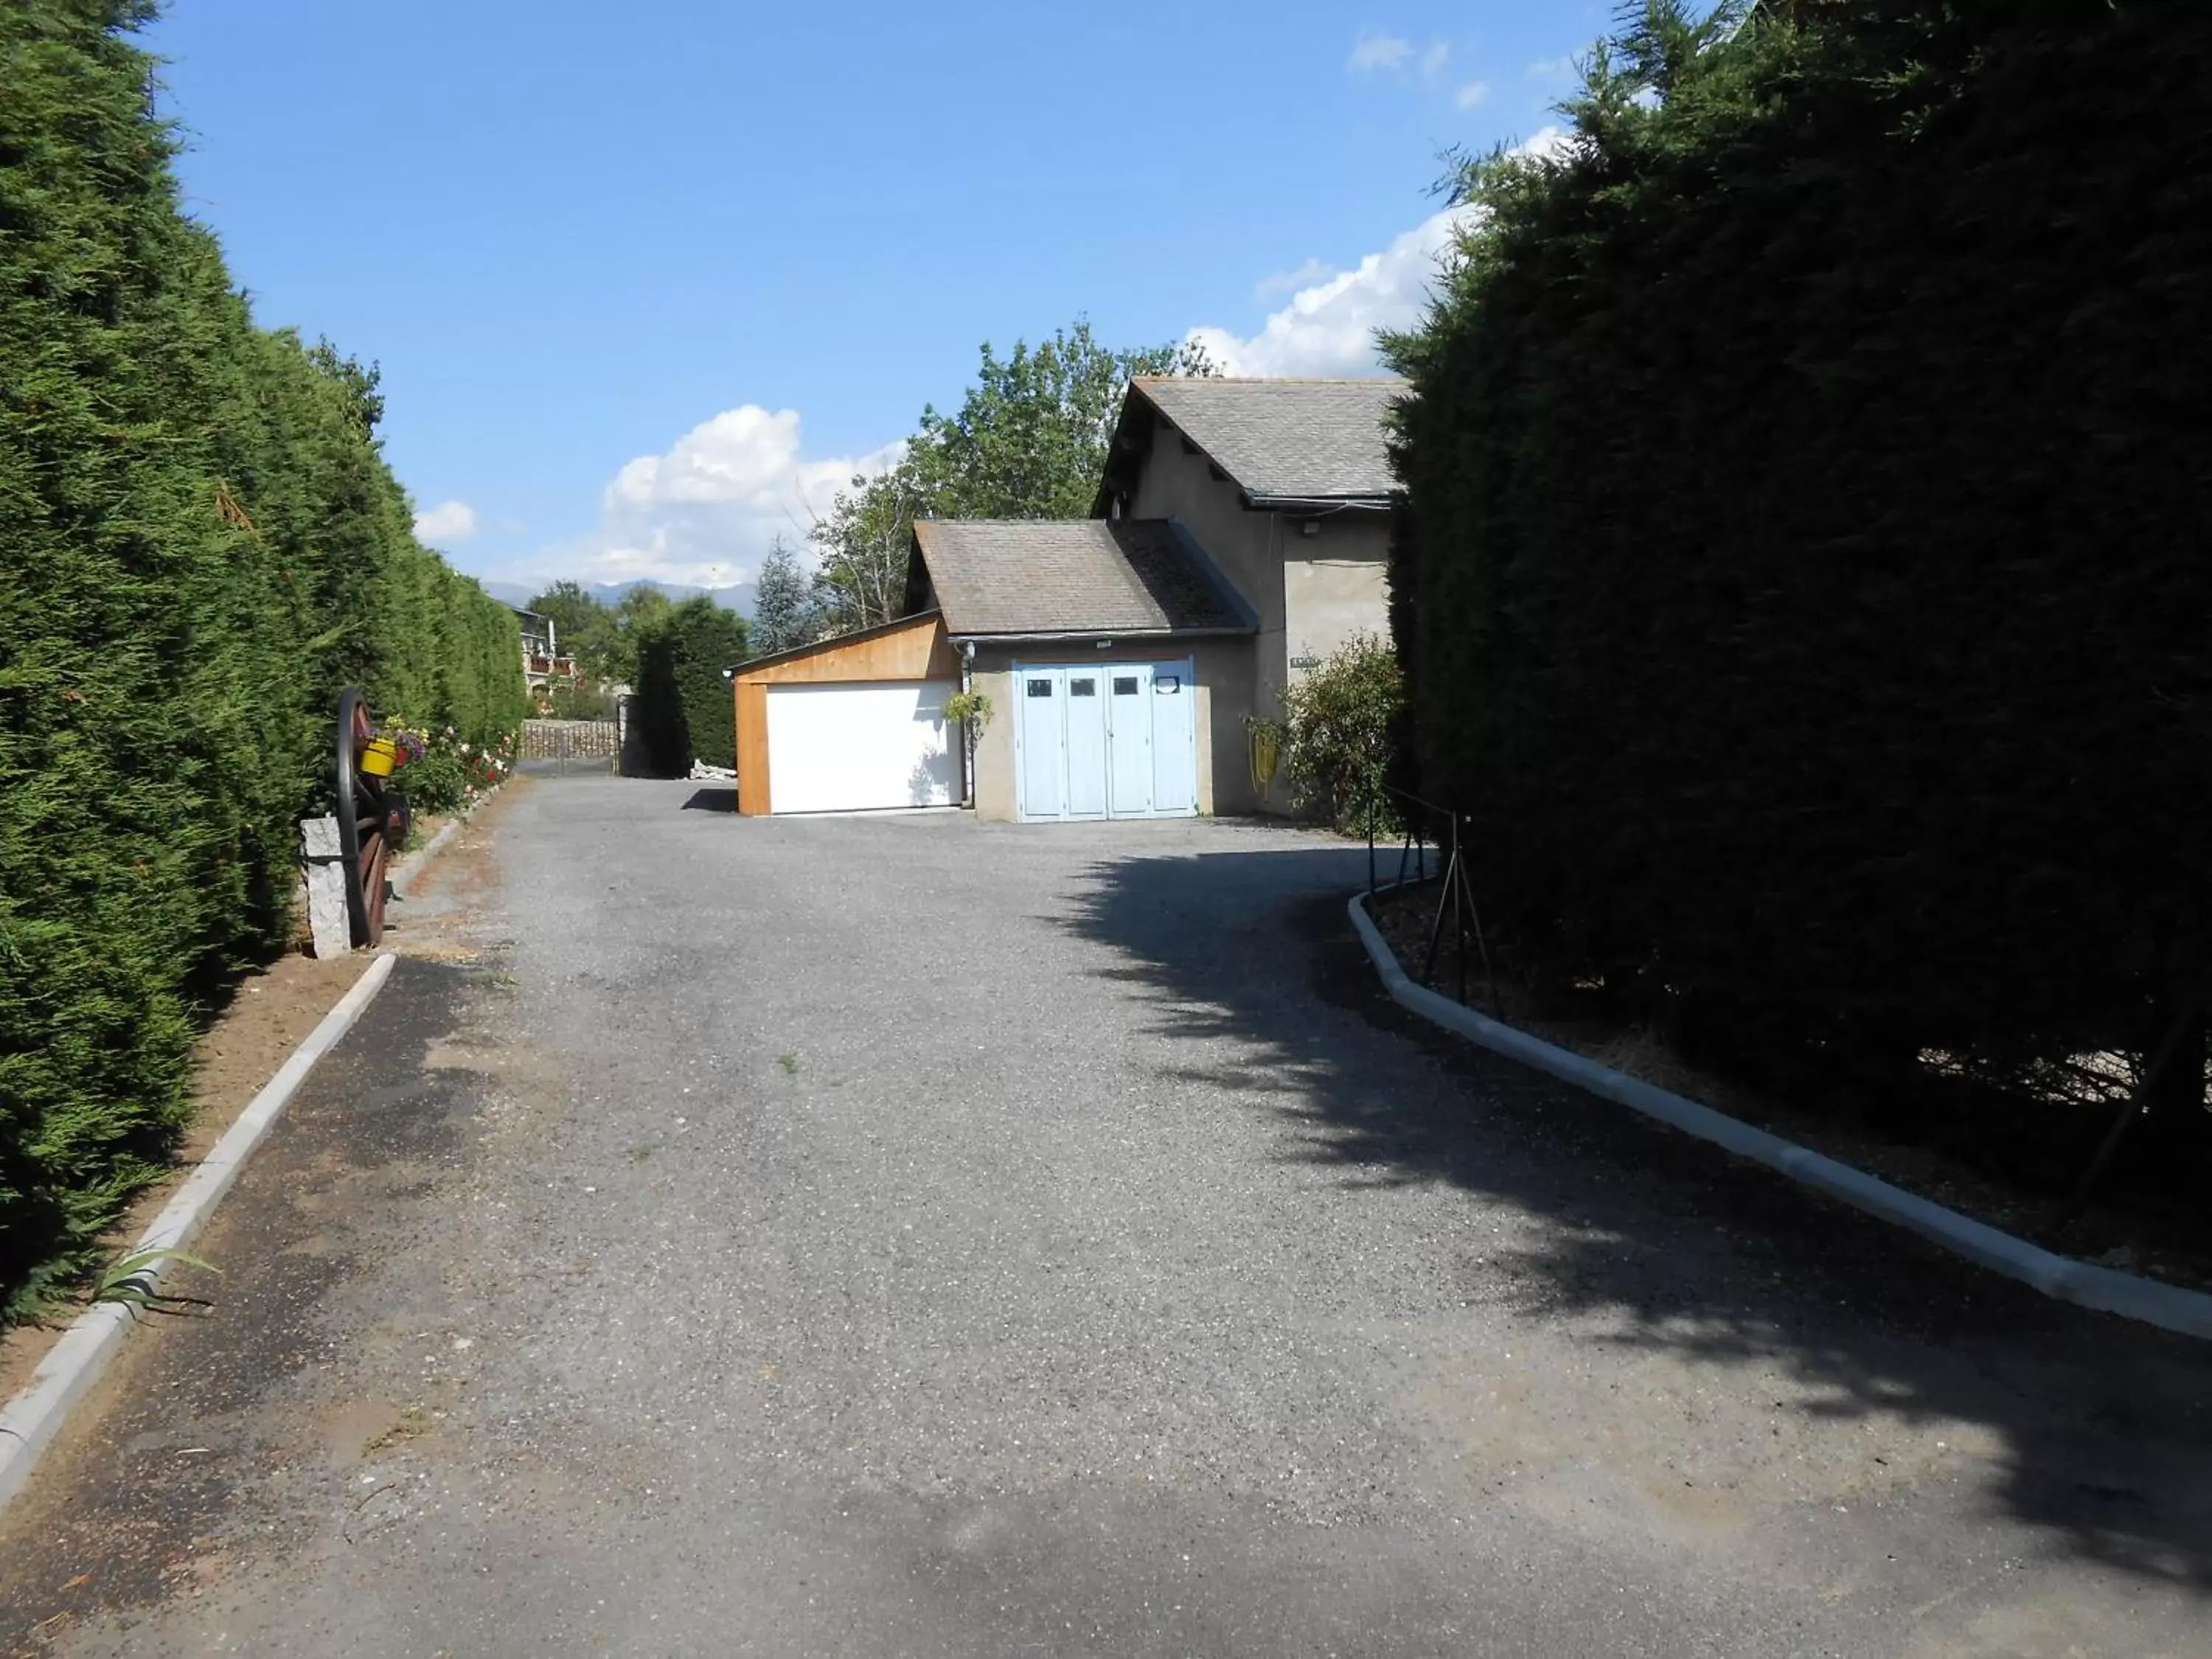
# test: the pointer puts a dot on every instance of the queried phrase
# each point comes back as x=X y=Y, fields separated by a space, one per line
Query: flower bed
x=444 y=774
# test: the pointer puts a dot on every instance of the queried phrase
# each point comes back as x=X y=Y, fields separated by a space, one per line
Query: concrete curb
x=30 y=1421
x=2103 y=1289
x=404 y=873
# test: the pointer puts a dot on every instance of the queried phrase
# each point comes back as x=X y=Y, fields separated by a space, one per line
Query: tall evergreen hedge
x=200 y=543
x=684 y=707
x=1801 y=576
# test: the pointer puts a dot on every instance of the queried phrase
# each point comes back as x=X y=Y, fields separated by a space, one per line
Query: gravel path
x=910 y=1235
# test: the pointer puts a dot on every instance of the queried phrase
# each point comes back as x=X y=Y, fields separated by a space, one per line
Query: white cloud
x=1379 y=52
x=744 y=458
x=703 y=511
x=1551 y=68
x=1285 y=282
x=1434 y=59
x=445 y=523
x=1329 y=327
x=1471 y=94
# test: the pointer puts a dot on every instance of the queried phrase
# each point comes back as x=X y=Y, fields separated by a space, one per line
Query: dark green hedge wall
x=685 y=709
x=200 y=543
x=1802 y=576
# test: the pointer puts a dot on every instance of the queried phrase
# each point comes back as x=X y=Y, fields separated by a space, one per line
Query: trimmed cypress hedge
x=709 y=639
x=683 y=709
x=1801 y=576
x=200 y=543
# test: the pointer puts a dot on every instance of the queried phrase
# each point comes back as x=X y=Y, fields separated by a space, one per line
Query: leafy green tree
x=864 y=542
x=783 y=603
x=1028 y=441
x=588 y=631
x=643 y=608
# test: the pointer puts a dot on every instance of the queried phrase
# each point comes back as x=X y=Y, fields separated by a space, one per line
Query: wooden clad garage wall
x=752 y=747
x=911 y=648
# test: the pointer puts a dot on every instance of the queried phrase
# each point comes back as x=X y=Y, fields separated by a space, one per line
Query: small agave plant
x=133 y=1281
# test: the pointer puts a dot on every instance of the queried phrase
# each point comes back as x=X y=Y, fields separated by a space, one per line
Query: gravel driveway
x=910 y=1235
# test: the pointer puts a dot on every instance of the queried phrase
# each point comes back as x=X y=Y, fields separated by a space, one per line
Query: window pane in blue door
x=1040 y=688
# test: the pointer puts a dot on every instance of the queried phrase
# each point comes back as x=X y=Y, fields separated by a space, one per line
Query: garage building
x=852 y=724
x=1240 y=534
x=1109 y=650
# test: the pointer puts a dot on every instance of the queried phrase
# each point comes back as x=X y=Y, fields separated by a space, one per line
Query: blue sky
x=647 y=281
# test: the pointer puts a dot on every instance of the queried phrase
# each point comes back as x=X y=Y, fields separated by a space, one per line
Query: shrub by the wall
x=1338 y=720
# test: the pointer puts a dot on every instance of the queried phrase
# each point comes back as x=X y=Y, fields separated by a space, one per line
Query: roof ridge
x=1055 y=518
x=1270 y=379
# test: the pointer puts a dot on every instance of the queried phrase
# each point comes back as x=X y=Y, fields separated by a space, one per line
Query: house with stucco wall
x=1240 y=534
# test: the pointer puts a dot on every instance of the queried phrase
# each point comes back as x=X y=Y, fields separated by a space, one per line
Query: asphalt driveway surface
x=908 y=1236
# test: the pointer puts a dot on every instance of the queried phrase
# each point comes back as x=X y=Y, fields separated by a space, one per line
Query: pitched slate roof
x=1029 y=576
x=1284 y=440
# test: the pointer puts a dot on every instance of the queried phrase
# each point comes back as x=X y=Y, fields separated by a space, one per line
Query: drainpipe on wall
x=967 y=728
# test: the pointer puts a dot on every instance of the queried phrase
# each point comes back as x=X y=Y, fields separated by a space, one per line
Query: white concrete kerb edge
x=29 y=1422
x=2104 y=1289
x=403 y=878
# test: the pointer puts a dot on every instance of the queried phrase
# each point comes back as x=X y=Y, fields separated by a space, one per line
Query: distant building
x=543 y=662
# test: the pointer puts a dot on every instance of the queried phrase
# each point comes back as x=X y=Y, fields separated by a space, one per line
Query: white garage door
x=845 y=748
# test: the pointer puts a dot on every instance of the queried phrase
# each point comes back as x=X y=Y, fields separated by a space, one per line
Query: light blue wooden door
x=1038 y=726
x=1129 y=737
x=1085 y=707
x=1173 y=696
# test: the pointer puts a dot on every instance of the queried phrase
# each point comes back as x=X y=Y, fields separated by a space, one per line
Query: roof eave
x=1102 y=503
x=1056 y=635
x=791 y=652
x=1264 y=503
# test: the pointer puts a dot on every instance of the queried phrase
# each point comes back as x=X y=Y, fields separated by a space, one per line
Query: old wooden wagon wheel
x=372 y=818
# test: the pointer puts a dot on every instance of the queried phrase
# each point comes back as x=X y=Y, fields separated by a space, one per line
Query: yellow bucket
x=379 y=756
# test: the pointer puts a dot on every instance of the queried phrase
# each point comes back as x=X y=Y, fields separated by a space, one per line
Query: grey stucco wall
x=1224 y=673
x=1335 y=585
x=1242 y=544
x=1311 y=593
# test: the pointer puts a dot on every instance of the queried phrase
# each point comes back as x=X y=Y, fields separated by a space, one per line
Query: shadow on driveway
x=2104 y=1424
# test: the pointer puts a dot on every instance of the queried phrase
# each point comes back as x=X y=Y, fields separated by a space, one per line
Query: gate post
x=327 y=920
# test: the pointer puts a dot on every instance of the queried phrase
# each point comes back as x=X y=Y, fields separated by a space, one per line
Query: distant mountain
x=738 y=599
